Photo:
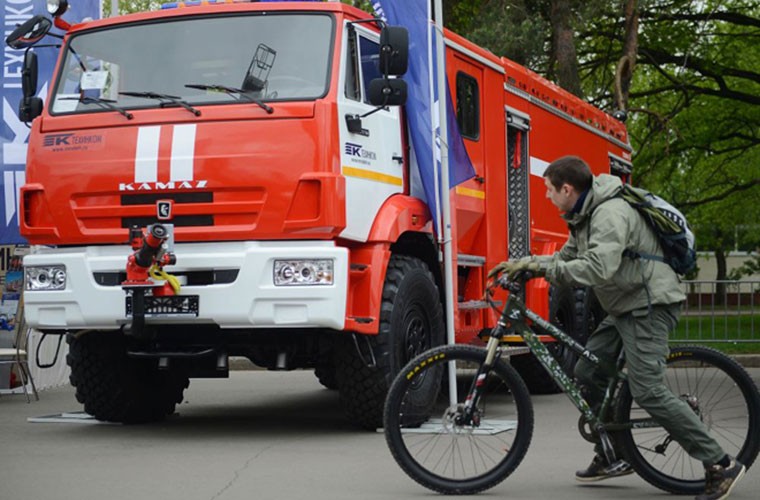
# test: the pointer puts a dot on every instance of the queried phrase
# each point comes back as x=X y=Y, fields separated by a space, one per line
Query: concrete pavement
x=265 y=435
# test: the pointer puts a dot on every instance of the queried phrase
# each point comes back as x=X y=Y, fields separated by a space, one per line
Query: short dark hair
x=569 y=170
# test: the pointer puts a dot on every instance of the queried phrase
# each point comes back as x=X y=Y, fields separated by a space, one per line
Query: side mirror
x=30 y=106
x=387 y=92
x=29 y=74
x=29 y=33
x=394 y=50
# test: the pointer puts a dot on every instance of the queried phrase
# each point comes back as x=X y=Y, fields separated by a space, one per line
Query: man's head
x=566 y=179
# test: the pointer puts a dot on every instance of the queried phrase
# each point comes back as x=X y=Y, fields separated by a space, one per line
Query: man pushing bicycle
x=642 y=298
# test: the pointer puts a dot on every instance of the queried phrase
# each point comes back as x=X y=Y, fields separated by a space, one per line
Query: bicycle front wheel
x=726 y=399
x=430 y=441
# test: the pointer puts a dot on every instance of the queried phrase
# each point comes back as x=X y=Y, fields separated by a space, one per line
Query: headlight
x=44 y=278
x=301 y=272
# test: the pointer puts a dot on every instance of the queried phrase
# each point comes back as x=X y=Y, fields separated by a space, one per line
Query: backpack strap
x=636 y=202
x=646 y=256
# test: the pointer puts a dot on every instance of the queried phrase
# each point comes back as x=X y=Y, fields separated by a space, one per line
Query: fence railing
x=720 y=311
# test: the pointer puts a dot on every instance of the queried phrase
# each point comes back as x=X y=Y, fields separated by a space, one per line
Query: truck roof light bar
x=196 y=3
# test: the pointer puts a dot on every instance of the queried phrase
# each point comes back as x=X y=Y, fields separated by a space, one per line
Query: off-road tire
x=411 y=321
x=324 y=364
x=577 y=312
x=728 y=403
x=115 y=388
x=325 y=373
x=418 y=458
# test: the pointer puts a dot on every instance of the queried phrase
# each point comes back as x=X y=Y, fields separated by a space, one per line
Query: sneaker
x=600 y=470
x=719 y=481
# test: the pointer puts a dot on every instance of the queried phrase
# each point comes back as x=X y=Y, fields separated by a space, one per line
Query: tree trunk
x=626 y=64
x=720 y=288
x=563 y=46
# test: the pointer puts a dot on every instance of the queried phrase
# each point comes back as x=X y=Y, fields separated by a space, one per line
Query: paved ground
x=264 y=435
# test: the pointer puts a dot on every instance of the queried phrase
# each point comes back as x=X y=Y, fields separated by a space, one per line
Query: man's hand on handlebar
x=522 y=269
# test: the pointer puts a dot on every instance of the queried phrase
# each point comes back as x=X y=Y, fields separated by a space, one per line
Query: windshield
x=197 y=60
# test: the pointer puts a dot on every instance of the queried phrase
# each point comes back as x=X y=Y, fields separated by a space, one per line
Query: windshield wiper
x=230 y=91
x=169 y=99
x=103 y=103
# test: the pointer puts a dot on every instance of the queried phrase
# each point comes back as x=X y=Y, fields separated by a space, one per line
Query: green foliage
x=694 y=102
x=698 y=131
x=748 y=268
x=516 y=29
x=131 y=6
x=365 y=5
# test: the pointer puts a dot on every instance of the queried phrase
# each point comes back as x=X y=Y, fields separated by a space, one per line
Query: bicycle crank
x=587 y=432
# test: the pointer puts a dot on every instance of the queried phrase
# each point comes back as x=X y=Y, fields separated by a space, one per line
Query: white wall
x=708 y=269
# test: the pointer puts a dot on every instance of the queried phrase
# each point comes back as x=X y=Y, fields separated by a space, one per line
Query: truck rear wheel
x=116 y=388
x=411 y=321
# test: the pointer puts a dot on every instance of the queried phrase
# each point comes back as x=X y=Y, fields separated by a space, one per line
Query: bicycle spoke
x=724 y=398
x=442 y=445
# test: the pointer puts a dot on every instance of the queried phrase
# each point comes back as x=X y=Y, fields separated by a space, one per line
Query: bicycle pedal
x=617 y=468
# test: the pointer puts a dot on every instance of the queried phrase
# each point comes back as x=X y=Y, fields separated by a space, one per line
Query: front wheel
x=433 y=445
x=411 y=321
x=721 y=392
x=116 y=388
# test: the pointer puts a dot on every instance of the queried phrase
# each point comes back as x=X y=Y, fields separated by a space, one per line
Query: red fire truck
x=216 y=149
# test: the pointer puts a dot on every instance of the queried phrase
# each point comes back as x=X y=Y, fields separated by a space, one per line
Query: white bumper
x=250 y=301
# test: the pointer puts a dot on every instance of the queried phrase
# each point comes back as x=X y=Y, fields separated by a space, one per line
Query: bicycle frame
x=514 y=318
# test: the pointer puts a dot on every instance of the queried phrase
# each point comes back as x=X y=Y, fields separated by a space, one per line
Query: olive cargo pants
x=645 y=340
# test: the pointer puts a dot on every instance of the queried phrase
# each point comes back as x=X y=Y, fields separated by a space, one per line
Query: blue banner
x=422 y=105
x=14 y=133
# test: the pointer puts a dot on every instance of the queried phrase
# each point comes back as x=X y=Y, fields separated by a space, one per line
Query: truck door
x=518 y=192
x=372 y=159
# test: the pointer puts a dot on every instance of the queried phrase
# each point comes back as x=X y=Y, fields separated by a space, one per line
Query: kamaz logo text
x=160 y=186
x=181 y=174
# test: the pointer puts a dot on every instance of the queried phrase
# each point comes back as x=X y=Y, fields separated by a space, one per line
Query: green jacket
x=593 y=255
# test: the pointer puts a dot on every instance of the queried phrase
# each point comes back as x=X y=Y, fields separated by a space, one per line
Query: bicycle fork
x=469 y=415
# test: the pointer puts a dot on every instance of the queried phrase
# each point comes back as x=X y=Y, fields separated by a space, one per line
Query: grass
x=730 y=333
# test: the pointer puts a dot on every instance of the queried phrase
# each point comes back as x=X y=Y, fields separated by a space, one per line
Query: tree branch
x=729 y=17
x=711 y=70
x=721 y=196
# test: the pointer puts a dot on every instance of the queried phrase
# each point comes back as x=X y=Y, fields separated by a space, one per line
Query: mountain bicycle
x=458 y=419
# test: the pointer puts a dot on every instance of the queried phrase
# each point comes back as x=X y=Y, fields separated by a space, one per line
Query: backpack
x=669 y=225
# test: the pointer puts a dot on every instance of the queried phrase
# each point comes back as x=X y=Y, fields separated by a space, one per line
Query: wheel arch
x=402 y=227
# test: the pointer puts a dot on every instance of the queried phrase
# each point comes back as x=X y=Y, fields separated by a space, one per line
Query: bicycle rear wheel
x=432 y=447
x=721 y=392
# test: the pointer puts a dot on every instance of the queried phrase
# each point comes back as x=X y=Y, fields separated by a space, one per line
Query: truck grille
x=234 y=211
x=178 y=198
x=194 y=278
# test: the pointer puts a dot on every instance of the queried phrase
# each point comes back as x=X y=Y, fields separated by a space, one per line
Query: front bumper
x=249 y=301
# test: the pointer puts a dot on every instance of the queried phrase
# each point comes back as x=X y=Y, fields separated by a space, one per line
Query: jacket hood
x=603 y=188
